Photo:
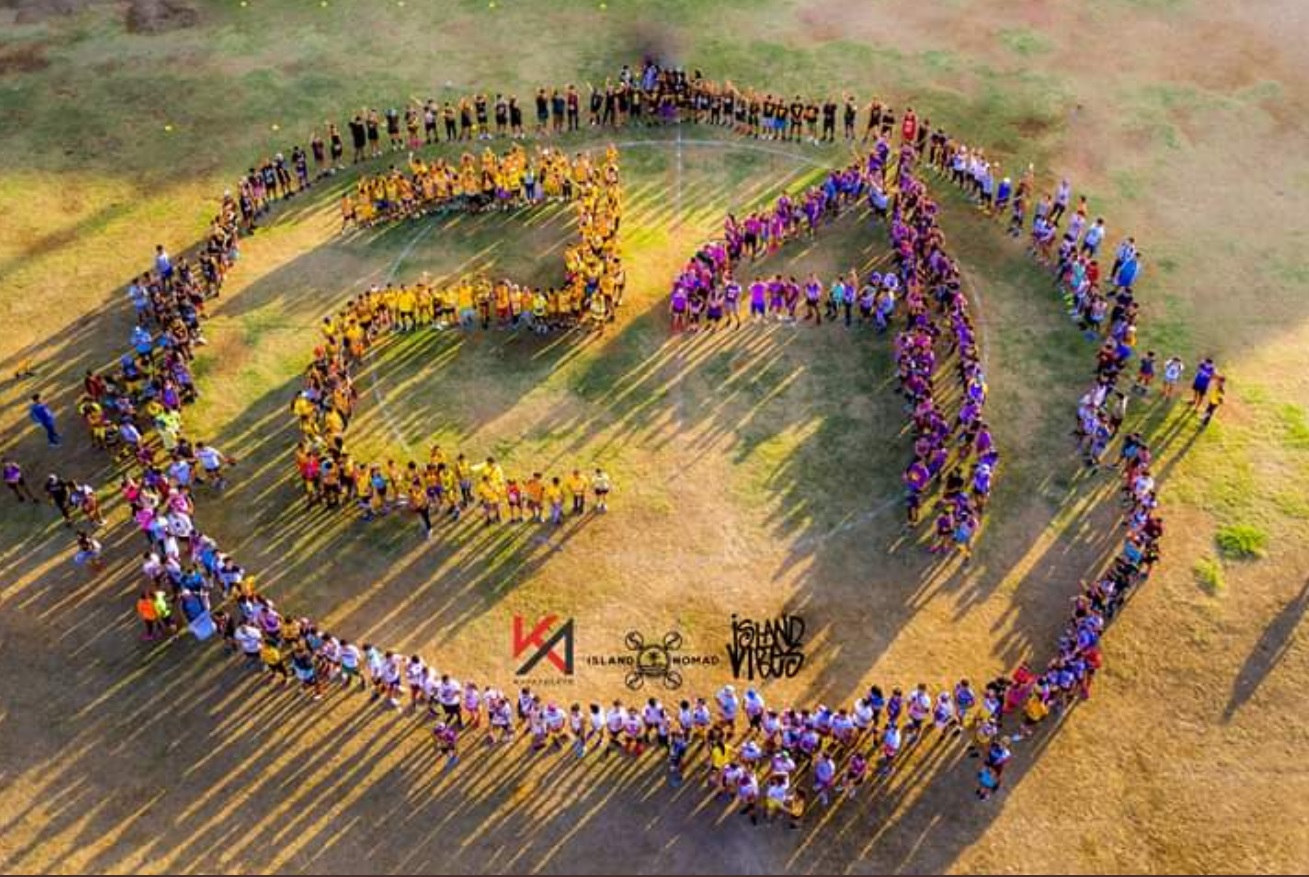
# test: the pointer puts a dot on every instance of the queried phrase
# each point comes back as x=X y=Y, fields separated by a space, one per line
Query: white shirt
x=248 y=637
x=179 y=525
x=415 y=673
x=180 y=472
x=350 y=656
x=210 y=458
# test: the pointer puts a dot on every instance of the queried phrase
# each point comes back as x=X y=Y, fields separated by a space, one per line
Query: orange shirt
x=145 y=607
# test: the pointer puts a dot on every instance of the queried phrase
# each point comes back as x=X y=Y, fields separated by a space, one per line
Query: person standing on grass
x=1173 y=370
x=1063 y=194
x=84 y=497
x=61 y=494
x=1128 y=271
x=15 y=481
x=149 y=615
x=419 y=505
x=602 y=485
x=997 y=756
x=577 y=485
x=358 y=138
x=164 y=266
x=1204 y=375
x=554 y=498
x=1217 y=395
x=1094 y=237
x=1126 y=250
x=44 y=416
x=88 y=553
x=1145 y=374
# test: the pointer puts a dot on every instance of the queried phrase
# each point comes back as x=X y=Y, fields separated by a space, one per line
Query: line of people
x=707 y=291
x=644 y=94
x=447 y=485
x=514 y=178
x=937 y=307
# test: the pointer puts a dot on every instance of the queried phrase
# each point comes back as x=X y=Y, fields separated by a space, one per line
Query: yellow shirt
x=720 y=758
x=465 y=296
x=270 y=654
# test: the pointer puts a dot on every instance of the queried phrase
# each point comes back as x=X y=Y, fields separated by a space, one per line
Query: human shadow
x=1268 y=652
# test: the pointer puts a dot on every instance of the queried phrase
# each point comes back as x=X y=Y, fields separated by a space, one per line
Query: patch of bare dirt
x=160 y=16
x=37 y=11
x=26 y=58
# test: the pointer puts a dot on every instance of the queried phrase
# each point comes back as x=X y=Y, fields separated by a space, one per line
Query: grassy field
x=753 y=468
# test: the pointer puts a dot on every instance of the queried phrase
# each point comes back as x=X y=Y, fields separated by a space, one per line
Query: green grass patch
x=1241 y=541
x=1208 y=572
x=1024 y=41
x=1295 y=426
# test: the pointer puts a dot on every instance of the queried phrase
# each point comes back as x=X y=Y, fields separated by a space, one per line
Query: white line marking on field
x=374 y=382
x=678 y=199
x=732 y=144
x=815 y=541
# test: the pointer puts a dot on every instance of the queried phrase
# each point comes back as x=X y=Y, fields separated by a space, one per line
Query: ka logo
x=544 y=644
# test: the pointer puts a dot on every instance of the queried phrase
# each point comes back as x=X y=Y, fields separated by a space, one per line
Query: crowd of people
x=645 y=94
x=594 y=277
x=925 y=287
x=133 y=408
x=447 y=484
x=707 y=293
x=936 y=306
x=514 y=178
x=1068 y=242
x=772 y=761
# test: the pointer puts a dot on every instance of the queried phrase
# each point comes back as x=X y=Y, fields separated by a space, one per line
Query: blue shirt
x=41 y=413
x=1127 y=272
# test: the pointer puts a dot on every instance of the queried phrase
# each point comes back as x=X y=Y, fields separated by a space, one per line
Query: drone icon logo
x=653 y=660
